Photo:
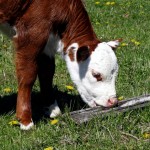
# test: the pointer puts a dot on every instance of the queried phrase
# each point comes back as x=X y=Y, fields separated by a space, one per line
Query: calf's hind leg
x=46 y=69
x=26 y=69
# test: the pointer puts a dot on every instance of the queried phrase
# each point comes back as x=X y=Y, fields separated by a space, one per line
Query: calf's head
x=94 y=72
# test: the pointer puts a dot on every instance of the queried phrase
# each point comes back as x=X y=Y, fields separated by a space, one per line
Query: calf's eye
x=97 y=75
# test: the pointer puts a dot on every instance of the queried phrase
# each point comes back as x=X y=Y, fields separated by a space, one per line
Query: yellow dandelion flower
x=7 y=90
x=108 y=3
x=146 y=135
x=69 y=87
x=53 y=122
x=124 y=44
x=137 y=43
x=49 y=148
x=120 y=98
x=14 y=122
x=112 y=3
x=97 y=3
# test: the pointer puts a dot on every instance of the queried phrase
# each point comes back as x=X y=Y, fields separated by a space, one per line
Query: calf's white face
x=95 y=76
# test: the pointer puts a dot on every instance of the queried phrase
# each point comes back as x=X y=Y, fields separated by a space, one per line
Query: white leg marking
x=54 y=110
x=28 y=127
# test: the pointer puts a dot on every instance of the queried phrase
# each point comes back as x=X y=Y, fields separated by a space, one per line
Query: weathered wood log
x=85 y=115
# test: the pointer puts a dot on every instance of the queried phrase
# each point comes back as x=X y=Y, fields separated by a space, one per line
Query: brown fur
x=34 y=21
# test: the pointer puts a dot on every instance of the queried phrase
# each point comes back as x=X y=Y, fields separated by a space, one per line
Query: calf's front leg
x=26 y=69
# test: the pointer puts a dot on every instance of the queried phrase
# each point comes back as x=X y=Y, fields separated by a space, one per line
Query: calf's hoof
x=26 y=127
x=53 y=111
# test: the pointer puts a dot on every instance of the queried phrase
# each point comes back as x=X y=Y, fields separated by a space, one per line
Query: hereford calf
x=43 y=28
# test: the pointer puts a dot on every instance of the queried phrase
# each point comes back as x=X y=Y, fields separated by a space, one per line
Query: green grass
x=126 y=19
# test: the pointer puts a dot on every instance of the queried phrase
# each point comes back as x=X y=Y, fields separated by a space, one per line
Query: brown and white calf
x=45 y=27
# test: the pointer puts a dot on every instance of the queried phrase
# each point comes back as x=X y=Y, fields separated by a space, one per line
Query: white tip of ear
x=113 y=44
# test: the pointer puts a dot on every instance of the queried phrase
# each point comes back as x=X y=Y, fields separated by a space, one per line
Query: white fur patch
x=54 y=110
x=53 y=45
x=28 y=127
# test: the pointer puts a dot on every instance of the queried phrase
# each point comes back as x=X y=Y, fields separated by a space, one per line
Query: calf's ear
x=82 y=53
x=114 y=44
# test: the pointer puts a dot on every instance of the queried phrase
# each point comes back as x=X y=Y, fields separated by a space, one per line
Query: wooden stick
x=85 y=115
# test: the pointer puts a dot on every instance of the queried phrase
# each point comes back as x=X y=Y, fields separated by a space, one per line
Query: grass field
x=126 y=19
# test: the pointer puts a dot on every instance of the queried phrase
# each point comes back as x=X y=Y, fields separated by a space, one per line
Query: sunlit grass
x=129 y=20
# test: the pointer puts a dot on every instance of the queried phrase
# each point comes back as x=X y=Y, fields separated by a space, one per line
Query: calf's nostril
x=112 y=101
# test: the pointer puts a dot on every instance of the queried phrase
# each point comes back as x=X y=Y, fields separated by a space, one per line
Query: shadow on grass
x=65 y=101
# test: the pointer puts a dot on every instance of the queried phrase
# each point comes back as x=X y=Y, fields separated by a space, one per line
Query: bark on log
x=85 y=115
